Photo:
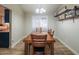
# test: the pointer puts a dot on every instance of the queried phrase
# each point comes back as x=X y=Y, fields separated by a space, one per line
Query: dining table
x=28 y=42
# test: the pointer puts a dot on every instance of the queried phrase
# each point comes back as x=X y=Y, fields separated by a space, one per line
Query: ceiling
x=30 y=8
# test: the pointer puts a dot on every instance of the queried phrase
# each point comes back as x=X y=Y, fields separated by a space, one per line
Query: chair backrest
x=39 y=29
x=38 y=40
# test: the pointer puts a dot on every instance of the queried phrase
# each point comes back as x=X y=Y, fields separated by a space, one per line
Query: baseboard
x=15 y=43
x=18 y=41
x=68 y=46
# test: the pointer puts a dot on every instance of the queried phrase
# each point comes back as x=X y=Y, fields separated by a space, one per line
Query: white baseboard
x=13 y=45
x=68 y=46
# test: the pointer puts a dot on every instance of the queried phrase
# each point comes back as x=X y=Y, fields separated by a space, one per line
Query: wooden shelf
x=72 y=16
x=67 y=10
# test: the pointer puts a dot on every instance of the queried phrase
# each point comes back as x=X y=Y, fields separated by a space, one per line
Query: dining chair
x=39 y=29
x=39 y=41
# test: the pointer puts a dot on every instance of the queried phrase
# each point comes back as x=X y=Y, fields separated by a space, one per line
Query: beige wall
x=17 y=23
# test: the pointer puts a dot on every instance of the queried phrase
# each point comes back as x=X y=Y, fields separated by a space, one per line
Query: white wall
x=17 y=23
x=22 y=24
x=28 y=23
x=68 y=33
x=52 y=22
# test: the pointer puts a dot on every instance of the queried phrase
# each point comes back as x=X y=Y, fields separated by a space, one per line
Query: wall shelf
x=68 y=14
x=67 y=10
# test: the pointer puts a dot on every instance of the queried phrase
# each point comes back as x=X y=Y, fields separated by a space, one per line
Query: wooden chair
x=38 y=41
x=39 y=29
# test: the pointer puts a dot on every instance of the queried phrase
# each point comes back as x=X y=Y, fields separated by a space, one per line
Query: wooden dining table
x=28 y=42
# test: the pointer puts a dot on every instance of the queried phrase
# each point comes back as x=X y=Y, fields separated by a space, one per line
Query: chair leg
x=52 y=48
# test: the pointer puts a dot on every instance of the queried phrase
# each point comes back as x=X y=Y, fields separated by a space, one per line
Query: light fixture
x=40 y=11
x=43 y=10
x=37 y=10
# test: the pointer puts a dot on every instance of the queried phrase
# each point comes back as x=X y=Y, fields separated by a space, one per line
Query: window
x=40 y=22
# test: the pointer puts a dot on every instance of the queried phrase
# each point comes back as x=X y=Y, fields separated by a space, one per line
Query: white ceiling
x=30 y=8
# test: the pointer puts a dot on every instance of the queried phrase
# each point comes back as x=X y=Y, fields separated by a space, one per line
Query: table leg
x=52 y=48
x=26 y=49
x=29 y=48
